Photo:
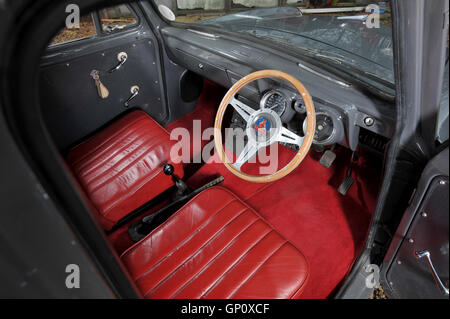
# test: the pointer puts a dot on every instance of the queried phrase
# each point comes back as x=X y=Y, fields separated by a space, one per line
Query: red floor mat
x=306 y=208
x=205 y=112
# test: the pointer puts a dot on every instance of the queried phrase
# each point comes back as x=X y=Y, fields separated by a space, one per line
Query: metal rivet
x=156 y=82
x=424 y=214
x=399 y=262
x=442 y=182
x=391 y=283
x=411 y=241
x=200 y=66
x=67 y=64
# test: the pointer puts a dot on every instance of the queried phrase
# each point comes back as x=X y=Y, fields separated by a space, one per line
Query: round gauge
x=324 y=127
x=300 y=107
x=274 y=101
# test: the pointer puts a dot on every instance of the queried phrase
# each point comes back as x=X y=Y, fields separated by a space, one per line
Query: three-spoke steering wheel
x=267 y=121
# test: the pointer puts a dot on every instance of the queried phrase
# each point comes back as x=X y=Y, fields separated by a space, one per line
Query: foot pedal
x=327 y=158
x=345 y=185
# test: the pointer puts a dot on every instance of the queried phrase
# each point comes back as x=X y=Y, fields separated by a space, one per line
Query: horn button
x=263 y=127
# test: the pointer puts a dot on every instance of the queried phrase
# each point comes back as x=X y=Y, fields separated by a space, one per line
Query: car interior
x=118 y=99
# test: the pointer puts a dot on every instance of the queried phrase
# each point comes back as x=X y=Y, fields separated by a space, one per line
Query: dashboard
x=345 y=113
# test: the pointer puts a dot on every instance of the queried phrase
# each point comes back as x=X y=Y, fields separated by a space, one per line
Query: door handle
x=427 y=255
x=134 y=92
x=122 y=57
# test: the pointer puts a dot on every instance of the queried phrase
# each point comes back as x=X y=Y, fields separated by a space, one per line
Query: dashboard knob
x=369 y=121
x=299 y=107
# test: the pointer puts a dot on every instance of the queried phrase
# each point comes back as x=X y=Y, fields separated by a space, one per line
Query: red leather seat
x=216 y=247
x=120 y=168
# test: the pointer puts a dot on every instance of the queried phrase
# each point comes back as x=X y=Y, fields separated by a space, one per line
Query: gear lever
x=182 y=188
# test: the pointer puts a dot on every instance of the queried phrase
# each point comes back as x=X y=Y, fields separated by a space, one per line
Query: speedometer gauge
x=275 y=101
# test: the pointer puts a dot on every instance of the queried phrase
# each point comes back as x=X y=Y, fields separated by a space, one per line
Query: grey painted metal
x=442 y=128
x=422 y=88
x=171 y=71
x=424 y=226
x=36 y=243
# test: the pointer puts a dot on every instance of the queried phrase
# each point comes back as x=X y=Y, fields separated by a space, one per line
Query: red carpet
x=306 y=208
x=205 y=111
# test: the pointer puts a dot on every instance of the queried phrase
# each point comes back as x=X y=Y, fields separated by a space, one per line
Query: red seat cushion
x=120 y=168
x=216 y=247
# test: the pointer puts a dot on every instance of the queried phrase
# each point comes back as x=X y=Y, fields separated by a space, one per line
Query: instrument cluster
x=291 y=108
x=292 y=111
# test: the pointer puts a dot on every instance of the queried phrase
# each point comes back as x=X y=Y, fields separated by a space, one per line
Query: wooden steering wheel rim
x=309 y=134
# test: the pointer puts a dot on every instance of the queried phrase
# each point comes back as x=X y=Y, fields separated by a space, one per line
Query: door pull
x=101 y=88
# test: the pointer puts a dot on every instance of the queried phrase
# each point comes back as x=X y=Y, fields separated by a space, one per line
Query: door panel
x=70 y=102
x=424 y=227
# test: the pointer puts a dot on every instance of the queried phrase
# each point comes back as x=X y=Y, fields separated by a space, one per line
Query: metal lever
x=110 y=29
x=427 y=255
x=134 y=92
x=122 y=57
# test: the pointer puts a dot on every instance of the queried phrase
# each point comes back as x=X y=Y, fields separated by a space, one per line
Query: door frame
x=419 y=68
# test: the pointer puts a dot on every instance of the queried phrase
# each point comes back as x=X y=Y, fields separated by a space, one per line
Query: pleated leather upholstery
x=216 y=247
x=120 y=168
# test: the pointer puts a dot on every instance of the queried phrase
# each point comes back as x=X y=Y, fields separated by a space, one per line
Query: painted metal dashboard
x=225 y=59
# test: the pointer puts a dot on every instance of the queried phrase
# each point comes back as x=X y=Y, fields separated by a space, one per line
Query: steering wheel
x=272 y=132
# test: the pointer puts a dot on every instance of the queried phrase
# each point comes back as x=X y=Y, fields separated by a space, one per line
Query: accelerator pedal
x=348 y=180
x=345 y=185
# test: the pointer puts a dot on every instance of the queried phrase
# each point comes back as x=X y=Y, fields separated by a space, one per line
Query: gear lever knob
x=168 y=169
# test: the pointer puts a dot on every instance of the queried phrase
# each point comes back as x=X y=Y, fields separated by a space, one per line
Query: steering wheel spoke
x=249 y=150
x=243 y=109
x=287 y=136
